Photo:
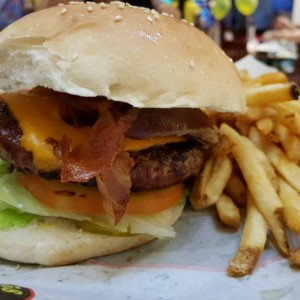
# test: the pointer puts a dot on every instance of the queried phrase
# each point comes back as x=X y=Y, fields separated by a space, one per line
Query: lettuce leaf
x=13 y=195
x=10 y=217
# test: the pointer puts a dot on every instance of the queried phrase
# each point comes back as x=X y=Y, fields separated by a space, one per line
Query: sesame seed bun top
x=125 y=53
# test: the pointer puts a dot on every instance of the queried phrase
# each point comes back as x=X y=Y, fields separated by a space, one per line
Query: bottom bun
x=56 y=242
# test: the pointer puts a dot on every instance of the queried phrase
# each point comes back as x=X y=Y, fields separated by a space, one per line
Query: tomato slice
x=77 y=198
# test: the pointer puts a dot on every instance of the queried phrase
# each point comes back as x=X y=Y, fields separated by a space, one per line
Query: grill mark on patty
x=162 y=166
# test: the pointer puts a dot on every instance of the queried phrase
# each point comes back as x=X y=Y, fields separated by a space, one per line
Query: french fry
x=252 y=242
x=272 y=77
x=211 y=182
x=256 y=113
x=221 y=172
x=288 y=169
x=244 y=75
x=265 y=125
x=281 y=132
x=259 y=185
x=265 y=79
x=294 y=258
x=289 y=141
x=270 y=172
x=271 y=93
x=198 y=195
x=294 y=105
x=236 y=190
x=288 y=117
x=291 y=203
x=228 y=212
x=291 y=146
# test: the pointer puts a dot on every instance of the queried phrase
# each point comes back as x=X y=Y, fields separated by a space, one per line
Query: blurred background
x=269 y=30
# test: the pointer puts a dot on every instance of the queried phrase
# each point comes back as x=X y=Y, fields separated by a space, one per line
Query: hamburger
x=95 y=156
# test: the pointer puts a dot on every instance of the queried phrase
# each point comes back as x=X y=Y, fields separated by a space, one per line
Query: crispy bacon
x=113 y=183
x=101 y=157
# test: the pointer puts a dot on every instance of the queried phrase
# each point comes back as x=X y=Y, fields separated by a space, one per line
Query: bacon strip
x=113 y=184
x=102 y=157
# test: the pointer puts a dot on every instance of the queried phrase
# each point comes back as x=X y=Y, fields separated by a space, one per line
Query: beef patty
x=154 y=167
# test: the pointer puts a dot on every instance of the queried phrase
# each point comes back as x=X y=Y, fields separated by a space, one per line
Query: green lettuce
x=11 y=217
x=23 y=207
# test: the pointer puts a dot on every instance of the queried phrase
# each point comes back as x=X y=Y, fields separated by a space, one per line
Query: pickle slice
x=95 y=228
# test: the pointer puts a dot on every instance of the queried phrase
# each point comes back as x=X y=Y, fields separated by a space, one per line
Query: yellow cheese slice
x=39 y=119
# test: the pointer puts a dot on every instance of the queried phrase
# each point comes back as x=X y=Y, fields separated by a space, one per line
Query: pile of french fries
x=256 y=168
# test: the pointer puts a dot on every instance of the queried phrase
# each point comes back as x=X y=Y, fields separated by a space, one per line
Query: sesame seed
x=90 y=8
x=118 y=18
x=74 y=2
x=118 y=2
x=192 y=64
x=60 y=4
x=103 y=5
x=121 y=5
x=192 y=24
x=165 y=14
x=149 y=19
x=184 y=20
x=156 y=17
x=74 y=56
x=63 y=11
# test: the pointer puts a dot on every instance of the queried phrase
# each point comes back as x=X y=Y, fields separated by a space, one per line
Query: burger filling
x=103 y=143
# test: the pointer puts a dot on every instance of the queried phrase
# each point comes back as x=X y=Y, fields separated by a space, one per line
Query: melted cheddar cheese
x=39 y=119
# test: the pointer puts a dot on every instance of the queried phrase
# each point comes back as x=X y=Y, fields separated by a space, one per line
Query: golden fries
x=228 y=212
x=266 y=164
x=259 y=185
x=221 y=172
x=244 y=75
x=259 y=170
x=198 y=196
x=287 y=116
x=264 y=79
x=291 y=202
x=272 y=93
x=256 y=113
x=294 y=105
x=288 y=169
x=265 y=125
x=212 y=182
x=236 y=190
x=252 y=243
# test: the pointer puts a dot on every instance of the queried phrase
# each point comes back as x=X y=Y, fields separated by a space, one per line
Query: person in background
x=10 y=11
x=289 y=33
x=283 y=28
